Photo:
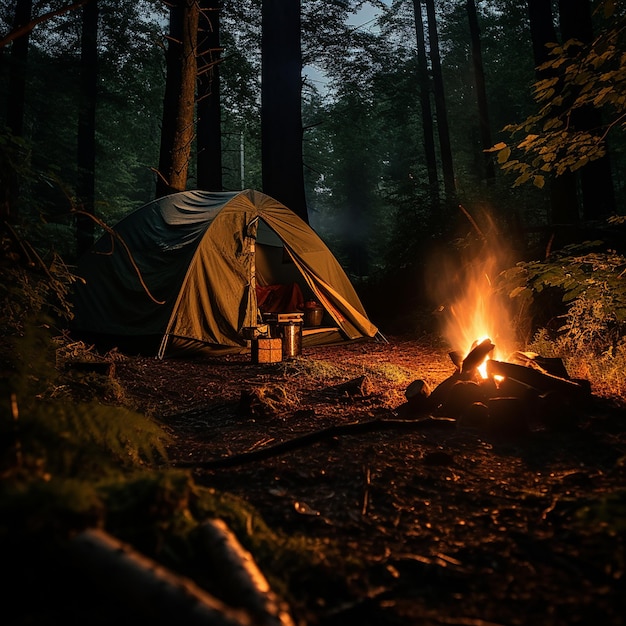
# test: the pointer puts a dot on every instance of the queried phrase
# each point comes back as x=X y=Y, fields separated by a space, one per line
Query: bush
x=574 y=306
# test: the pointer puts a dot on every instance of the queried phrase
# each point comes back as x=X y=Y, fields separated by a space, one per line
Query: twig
x=116 y=236
x=473 y=222
x=26 y=28
x=18 y=442
x=366 y=493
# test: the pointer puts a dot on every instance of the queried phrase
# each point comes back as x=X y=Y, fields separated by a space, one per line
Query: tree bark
x=443 y=129
x=209 y=125
x=177 y=130
x=563 y=198
x=596 y=178
x=281 y=108
x=17 y=72
x=86 y=139
x=426 y=109
x=15 y=99
x=481 y=92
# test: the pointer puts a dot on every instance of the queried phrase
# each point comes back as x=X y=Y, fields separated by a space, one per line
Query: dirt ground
x=453 y=525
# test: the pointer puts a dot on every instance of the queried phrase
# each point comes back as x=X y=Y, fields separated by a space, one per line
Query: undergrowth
x=74 y=454
x=576 y=301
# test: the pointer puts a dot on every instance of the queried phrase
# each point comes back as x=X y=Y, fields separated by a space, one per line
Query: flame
x=472 y=310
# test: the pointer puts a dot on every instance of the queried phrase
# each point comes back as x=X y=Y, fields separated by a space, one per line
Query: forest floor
x=447 y=525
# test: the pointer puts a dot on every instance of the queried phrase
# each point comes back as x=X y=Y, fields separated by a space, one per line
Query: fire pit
x=508 y=398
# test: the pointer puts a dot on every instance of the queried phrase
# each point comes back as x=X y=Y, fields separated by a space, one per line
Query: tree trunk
x=596 y=179
x=86 y=140
x=281 y=108
x=426 y=109
x=15 y=101
x=481 y=92
x=443 y=130
x=177 y=130
x=209 y=140
x=17 y=72
x=563 y=200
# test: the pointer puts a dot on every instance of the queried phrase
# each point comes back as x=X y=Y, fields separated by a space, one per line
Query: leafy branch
x=577 y=79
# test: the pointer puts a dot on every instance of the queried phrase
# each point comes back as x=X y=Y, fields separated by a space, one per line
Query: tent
x=188 y=270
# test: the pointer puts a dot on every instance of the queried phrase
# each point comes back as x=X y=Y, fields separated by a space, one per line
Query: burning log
x=457 y=358
x=475 y=417
x=531 y=377
x=550 y=365
x=477 y=356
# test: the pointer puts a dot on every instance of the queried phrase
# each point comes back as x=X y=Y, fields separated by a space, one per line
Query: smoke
x=460 y=282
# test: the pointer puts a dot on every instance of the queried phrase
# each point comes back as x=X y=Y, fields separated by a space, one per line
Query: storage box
x=266 y=350
x=282 y=318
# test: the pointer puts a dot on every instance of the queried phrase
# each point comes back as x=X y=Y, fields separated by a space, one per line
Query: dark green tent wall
x=181 y=271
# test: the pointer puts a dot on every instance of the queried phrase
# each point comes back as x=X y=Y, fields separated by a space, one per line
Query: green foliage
x=589 y=284
x=577 y=79
x=577 y=301
x=56 y=444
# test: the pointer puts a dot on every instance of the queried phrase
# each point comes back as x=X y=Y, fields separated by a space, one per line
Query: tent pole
x=161 y=352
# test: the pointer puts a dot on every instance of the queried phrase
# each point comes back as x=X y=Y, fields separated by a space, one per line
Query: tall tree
x=208 y=110
x=563 y=198
x=443 y=130
x=598 y=196
x=177 y=130
x=86 y=137
x=16 y=94
x=281 y=108
x=481 y=91
x=17 y=69
x=423 y=80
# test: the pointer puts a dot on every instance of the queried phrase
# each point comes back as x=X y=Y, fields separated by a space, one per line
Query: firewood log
x=360 y=386
x=550 y=365
x=417 y=396
x=541 y=381
x=477 y=356
x=457 y=358
x=460 y=397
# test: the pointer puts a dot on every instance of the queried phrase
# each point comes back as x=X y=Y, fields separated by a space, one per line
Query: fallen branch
x=353 y=428
x=240 y=576
x=144 y=588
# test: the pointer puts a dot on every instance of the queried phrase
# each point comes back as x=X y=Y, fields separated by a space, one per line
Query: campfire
x=508 y=398
x=494 y=386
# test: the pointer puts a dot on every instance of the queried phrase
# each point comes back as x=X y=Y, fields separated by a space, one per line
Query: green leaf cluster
x=589 y=284
x=577 y=78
